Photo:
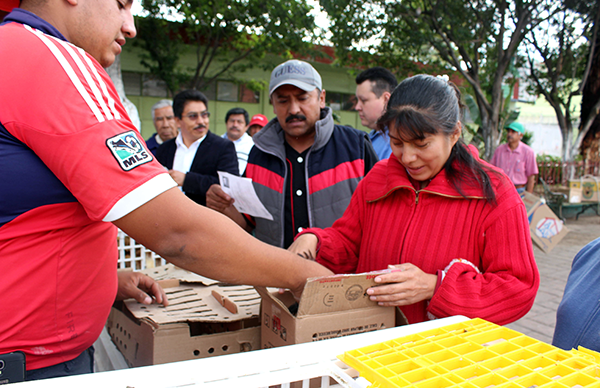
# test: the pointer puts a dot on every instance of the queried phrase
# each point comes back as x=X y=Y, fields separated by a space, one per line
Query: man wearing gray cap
x=304 y=167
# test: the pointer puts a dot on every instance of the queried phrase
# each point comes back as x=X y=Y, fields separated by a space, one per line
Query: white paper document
x=246 y=200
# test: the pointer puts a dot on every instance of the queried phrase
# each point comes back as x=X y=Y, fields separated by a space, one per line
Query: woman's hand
x=404 y=285
x=305 y=246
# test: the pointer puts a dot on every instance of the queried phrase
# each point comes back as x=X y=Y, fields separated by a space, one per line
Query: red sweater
x=389 y=222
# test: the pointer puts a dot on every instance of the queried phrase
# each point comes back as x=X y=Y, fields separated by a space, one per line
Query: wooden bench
x=558 y=201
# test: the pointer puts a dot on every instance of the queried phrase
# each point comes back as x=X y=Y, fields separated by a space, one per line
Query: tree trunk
x=114 y=72
x=591 y=94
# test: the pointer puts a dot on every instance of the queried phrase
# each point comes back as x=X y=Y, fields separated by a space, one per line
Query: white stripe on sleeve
x=139 y=196
x=51 y=44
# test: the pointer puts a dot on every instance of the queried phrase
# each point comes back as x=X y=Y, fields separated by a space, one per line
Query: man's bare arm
x=220 y=201
x=530 y=183
x=198 y=239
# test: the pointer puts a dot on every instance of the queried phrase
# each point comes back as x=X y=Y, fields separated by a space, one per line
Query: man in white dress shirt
x=196 y=154
x=236 y=120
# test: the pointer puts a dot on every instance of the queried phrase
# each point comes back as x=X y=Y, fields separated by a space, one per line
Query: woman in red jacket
x=450 y=228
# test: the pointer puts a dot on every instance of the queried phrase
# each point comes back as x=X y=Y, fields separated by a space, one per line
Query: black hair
x=183 y=97
x=237 y=111
x=425 y=105
x=382 y=80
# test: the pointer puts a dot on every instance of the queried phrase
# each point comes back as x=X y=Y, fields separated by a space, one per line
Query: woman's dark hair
x=425 y=105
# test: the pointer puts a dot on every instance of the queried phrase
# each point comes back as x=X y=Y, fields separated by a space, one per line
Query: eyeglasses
x=161 y=119
x=194 y=115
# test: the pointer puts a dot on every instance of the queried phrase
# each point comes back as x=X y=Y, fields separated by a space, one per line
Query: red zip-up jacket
x=388 y=221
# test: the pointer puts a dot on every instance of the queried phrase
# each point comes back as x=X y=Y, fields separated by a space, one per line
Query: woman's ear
x=456 y=133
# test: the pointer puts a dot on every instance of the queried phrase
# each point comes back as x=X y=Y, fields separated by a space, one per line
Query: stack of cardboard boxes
x=206 y=318
x=203 y=319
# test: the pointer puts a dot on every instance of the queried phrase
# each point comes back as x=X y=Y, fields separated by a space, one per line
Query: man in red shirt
x=517 y=159
x=74 y=167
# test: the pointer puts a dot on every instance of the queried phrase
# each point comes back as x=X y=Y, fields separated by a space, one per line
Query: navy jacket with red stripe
x=339 y=158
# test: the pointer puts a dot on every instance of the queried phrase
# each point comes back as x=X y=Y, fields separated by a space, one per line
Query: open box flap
x=169 y=271
x=196 y=303
x=337 y=293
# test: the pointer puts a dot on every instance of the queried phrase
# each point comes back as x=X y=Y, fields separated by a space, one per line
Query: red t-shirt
x=71 y=160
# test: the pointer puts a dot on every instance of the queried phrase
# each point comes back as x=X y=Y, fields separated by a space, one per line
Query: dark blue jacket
x=152 y=144
x=214 y=154
x=578 y=315
x=338 y=159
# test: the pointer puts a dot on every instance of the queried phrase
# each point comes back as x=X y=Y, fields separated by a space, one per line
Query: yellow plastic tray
x=473 y=354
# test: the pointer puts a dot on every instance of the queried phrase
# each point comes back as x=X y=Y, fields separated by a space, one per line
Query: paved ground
x=554 y=269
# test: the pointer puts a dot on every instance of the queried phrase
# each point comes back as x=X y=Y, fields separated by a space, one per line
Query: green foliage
x=256 y=85
x=563 y=44
x=477 y=39
x=547 y=158
x=227 y=37
x=550 y=167
x=527 y=138
x=161 y=53
x=507 y=115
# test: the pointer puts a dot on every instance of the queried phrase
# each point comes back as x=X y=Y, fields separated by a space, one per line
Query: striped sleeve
x=65 y=108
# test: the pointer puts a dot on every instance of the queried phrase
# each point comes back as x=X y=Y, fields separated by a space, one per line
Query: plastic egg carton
x=473 y=354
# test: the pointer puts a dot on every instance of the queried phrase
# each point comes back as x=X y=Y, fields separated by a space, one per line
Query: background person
x=164 y=123
x=451 y=226
x=373 y=89
x=75 y=171
x=517 y=159
x=196 y=154
x=304 y=167
x=257 y=123
x=578 y=316
x=236 y=121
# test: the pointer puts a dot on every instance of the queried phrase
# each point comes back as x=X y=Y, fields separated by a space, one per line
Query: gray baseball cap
x=294 y=72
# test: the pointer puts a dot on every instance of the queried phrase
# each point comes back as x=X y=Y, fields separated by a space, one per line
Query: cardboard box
x=545 y=227
x=531 y=202
x=584 y=189
x=330 y=307
x=194 y=325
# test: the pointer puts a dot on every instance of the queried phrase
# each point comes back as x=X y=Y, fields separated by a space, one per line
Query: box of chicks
x=204 y=318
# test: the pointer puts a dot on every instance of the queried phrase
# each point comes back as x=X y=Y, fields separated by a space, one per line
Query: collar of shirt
x=517 y=150
x=242 y=139
x=158 y=139
x=21 y=16
x=184 y=156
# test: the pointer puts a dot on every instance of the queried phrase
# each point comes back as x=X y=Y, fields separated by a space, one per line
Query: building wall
x=337 y=82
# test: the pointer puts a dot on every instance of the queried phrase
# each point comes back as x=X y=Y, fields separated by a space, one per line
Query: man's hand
x=305 y=246
x=141 y=287
x=177 y=176
x=217 y=199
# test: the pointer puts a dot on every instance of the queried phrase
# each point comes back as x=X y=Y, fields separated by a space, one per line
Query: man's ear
x=386 y=97
x=72 y=2
x=322 y=99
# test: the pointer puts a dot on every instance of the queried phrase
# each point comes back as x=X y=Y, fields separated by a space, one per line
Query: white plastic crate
x=134 y=255
x=312 y=364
